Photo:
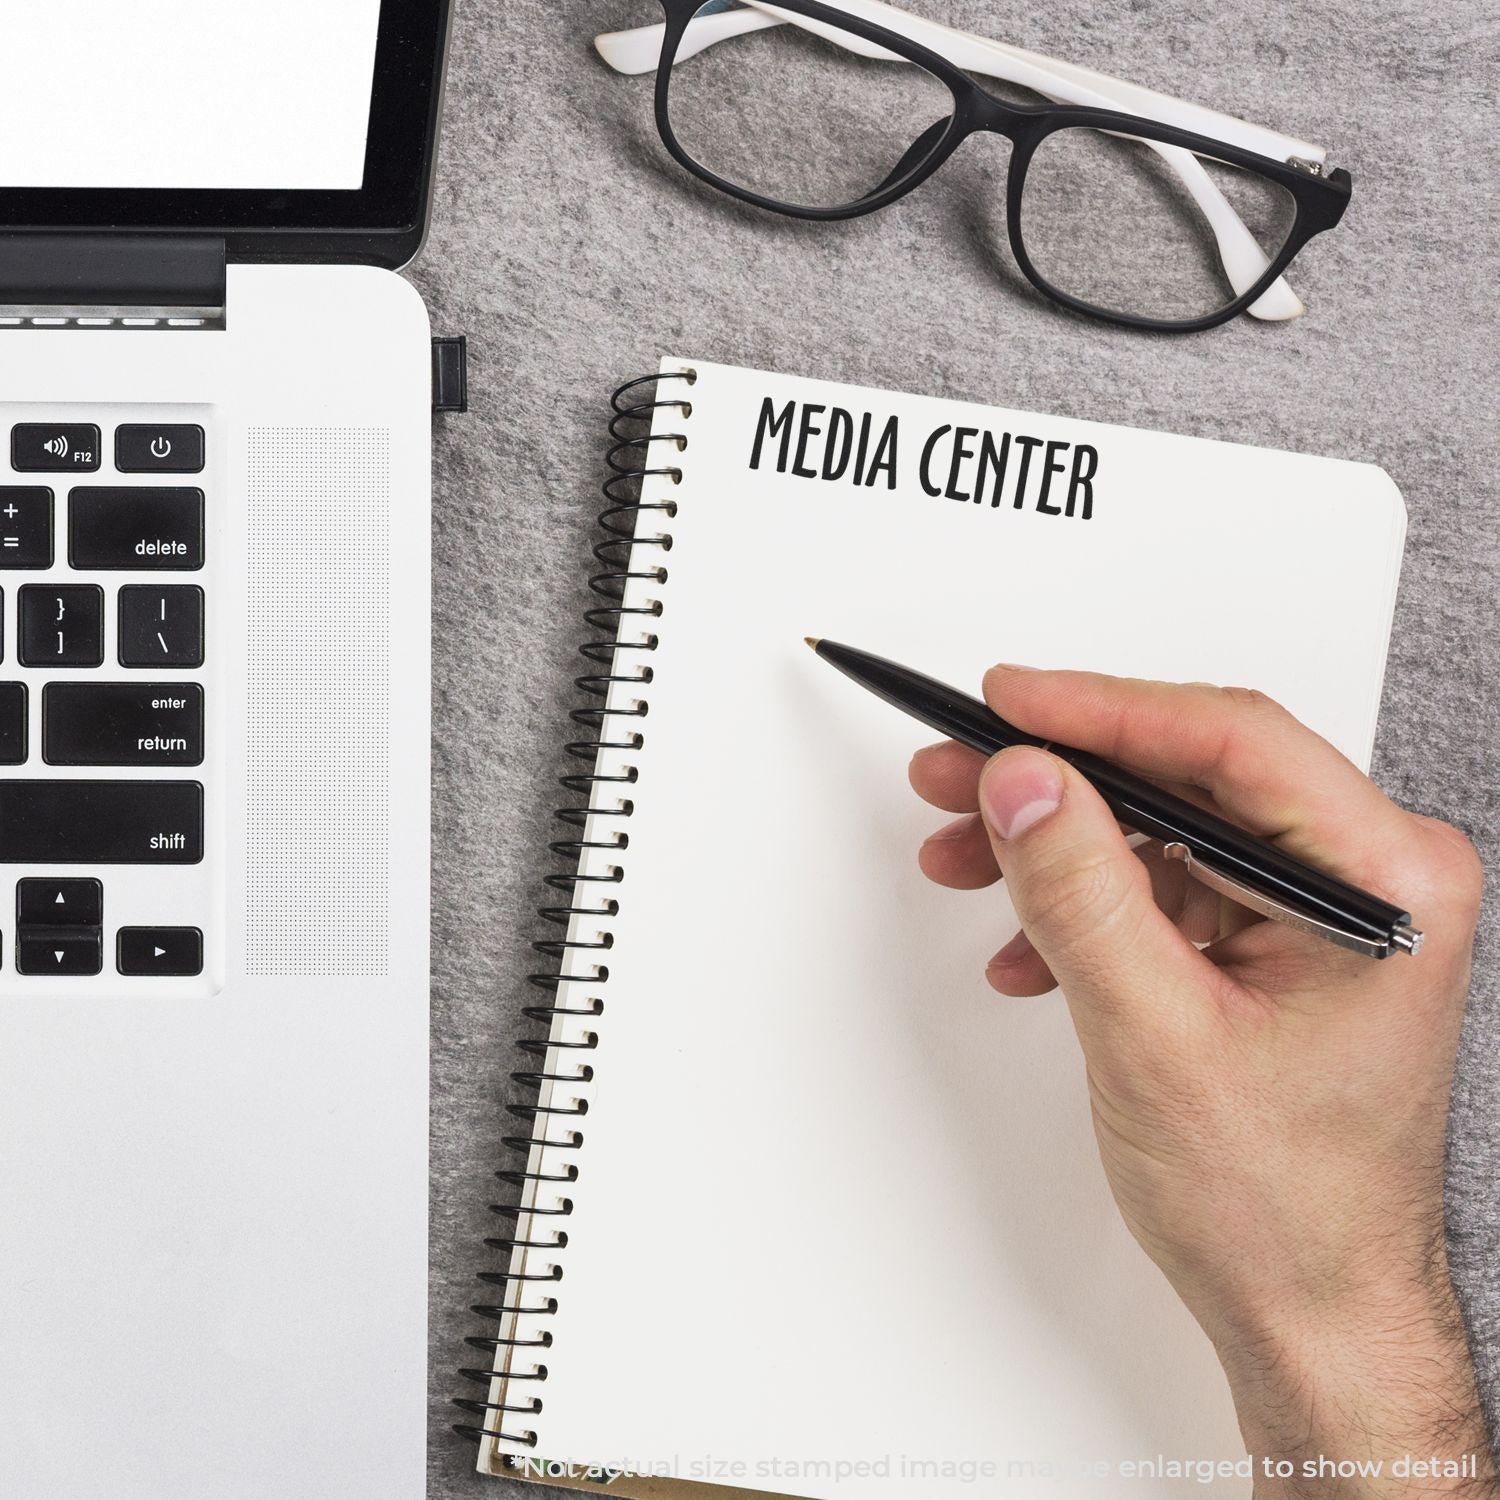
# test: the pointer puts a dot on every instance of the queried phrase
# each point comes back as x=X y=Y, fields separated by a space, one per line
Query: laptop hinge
x=111 y=280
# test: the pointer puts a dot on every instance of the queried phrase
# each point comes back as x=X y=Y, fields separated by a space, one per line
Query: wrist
x=1374 y=1397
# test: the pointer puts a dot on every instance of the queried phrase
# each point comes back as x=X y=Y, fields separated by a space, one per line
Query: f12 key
x=52 y=447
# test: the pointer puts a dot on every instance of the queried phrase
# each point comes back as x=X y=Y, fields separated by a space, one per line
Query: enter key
x=122 y=724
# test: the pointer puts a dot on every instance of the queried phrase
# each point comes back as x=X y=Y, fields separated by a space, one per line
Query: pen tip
x=812 y=641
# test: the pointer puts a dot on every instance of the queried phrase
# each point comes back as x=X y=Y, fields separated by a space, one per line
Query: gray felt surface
x=573 y=254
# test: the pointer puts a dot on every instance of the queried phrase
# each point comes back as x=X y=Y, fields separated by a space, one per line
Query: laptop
x=215 y=440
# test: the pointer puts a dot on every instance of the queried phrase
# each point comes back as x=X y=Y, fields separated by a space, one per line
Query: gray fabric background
x=573 y=254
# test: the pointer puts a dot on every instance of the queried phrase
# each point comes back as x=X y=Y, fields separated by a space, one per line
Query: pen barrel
x=1241 y=857
x=1252 y=861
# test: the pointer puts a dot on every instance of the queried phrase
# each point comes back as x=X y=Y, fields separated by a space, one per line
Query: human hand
x=1270 y=1110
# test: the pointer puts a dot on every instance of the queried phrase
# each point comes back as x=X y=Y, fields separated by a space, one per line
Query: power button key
x=155 y=448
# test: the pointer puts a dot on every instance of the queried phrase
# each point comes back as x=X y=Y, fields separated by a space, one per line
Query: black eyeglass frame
x=1319 y=200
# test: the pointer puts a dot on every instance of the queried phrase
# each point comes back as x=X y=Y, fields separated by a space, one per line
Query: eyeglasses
x=1121 y=203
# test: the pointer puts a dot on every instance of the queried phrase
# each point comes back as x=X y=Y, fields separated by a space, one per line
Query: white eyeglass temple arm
x=638 y=50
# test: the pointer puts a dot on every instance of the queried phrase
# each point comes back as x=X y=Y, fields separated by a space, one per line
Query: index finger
x=1265 y=770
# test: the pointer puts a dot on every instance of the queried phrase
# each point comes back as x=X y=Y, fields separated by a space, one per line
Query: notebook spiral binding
x=530 y=1225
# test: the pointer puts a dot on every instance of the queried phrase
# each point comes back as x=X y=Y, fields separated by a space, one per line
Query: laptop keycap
x=159 y=950
x=148 y=448
x=70 y=902
x=62 y=625
x=161 y=626
x=101 y=822
x=116 y=529
x=13 y=725
x=25 y=526
x=53 y=951
x=54 y=447
x=122 y=724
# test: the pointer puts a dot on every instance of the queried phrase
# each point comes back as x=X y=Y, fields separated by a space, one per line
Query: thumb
x=1083 y=897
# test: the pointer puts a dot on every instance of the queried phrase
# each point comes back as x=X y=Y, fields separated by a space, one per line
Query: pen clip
x=1268 y=906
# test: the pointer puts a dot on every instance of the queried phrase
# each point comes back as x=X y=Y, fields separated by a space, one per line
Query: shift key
x=135 y=528
x=101 y=822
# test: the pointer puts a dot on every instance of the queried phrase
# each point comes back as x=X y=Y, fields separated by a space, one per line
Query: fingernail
x=1011 y=666
x=1018 y=790
x=1013 y=952
x=954 y=830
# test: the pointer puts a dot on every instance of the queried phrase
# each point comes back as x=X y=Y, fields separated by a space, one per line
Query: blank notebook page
x=839 y=1226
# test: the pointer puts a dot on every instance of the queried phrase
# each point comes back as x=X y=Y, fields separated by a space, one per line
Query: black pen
x=1237 y=864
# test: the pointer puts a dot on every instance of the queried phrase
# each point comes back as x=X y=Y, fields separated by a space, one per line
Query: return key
x=122 y=724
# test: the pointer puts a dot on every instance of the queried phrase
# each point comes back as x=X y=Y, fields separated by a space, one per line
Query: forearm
x=1379 y=1406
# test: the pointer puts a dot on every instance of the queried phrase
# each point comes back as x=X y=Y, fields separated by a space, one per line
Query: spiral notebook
x=804 y=1207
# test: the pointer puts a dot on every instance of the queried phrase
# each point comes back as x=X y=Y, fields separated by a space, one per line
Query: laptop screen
x=186 y=93
x=294 y=129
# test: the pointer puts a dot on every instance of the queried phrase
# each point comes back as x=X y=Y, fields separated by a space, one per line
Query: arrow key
x=57 y=950
x=159 y=951
x=59 y=903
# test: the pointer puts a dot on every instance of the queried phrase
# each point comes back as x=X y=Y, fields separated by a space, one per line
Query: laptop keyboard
x=108 y=779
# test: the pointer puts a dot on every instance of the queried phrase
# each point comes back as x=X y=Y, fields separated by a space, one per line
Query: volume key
x=53 y=447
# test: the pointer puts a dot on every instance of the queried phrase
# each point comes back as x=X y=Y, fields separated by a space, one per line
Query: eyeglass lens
x=788 y=115
x=1146 y=229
